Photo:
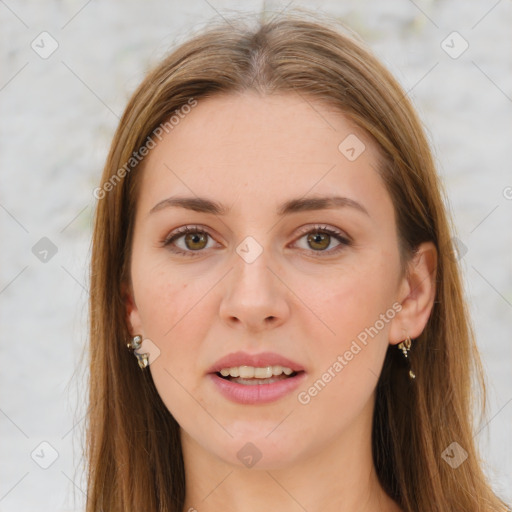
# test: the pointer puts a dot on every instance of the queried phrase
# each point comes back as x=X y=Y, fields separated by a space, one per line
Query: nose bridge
x=254 y=293
x=253 y=260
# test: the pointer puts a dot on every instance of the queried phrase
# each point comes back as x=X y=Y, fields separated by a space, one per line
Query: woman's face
x=256 y=280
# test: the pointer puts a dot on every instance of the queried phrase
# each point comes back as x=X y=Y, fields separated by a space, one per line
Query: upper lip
x=260 y=360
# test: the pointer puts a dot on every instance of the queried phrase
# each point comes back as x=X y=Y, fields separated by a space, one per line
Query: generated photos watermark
x=304 y=397
x=143 y=151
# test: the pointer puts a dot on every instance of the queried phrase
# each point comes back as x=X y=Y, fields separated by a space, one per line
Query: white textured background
x=57 y=117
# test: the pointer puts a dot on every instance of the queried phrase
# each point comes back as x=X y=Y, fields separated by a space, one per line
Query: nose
x=255 y=296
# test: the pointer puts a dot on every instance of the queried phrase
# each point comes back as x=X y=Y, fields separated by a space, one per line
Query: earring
x=135 y=344
x=405 y=346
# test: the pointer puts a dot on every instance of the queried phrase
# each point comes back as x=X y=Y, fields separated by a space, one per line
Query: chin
x=253 y=452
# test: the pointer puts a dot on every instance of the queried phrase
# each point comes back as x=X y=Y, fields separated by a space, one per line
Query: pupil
x=314 y=239
x=195 y=237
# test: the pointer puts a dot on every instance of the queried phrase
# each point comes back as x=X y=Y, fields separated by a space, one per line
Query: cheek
x=352 y=300
x=348 y=362
x=165 y=306
x=357 y=309
x=175 y=319
x=163 y=298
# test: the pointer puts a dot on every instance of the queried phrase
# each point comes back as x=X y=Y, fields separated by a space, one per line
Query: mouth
x=251 y=376
x=247 y=378
x=242 y=388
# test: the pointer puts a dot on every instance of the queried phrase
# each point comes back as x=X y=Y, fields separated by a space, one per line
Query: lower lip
x=258 y=393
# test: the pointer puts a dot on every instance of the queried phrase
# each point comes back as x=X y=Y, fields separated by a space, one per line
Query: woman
x=277 y=318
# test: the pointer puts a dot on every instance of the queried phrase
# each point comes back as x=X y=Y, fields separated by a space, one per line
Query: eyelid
x=325 y=227
x=344 y=240
x=181 y=231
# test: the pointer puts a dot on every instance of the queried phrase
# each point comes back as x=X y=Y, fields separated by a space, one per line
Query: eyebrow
x=204 y=205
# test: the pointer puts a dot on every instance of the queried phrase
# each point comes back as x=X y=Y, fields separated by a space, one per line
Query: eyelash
x=317 y=229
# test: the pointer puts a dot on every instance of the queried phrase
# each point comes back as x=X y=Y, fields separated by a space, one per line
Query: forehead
x=261 y=150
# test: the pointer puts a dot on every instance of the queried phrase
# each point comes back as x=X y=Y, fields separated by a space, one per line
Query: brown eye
x=319 y=241
x=194 y=240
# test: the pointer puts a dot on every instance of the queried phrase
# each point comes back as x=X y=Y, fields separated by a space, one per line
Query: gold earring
x=405 y=346
x=135 y=344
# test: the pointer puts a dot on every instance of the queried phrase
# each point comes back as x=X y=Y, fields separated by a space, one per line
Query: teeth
x=250 y=372
x=245 y=372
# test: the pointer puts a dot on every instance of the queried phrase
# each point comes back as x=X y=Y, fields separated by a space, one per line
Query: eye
x=194 y=238
x=320 y=237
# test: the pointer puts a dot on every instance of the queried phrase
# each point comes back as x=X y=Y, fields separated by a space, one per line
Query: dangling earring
x=135 y=344
x=405 y=346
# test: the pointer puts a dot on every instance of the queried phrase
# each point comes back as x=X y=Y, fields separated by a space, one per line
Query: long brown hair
x=134 y=454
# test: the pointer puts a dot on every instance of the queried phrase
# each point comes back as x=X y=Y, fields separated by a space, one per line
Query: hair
x=133 y=445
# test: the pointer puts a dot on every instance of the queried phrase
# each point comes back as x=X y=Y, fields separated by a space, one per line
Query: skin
x=252 y=153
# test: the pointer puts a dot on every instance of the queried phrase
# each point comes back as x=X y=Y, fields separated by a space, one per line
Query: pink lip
x=257 y=393
x=260 y=360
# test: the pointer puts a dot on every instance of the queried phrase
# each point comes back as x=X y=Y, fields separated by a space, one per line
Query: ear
x=133 y=320
x=417 y=294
